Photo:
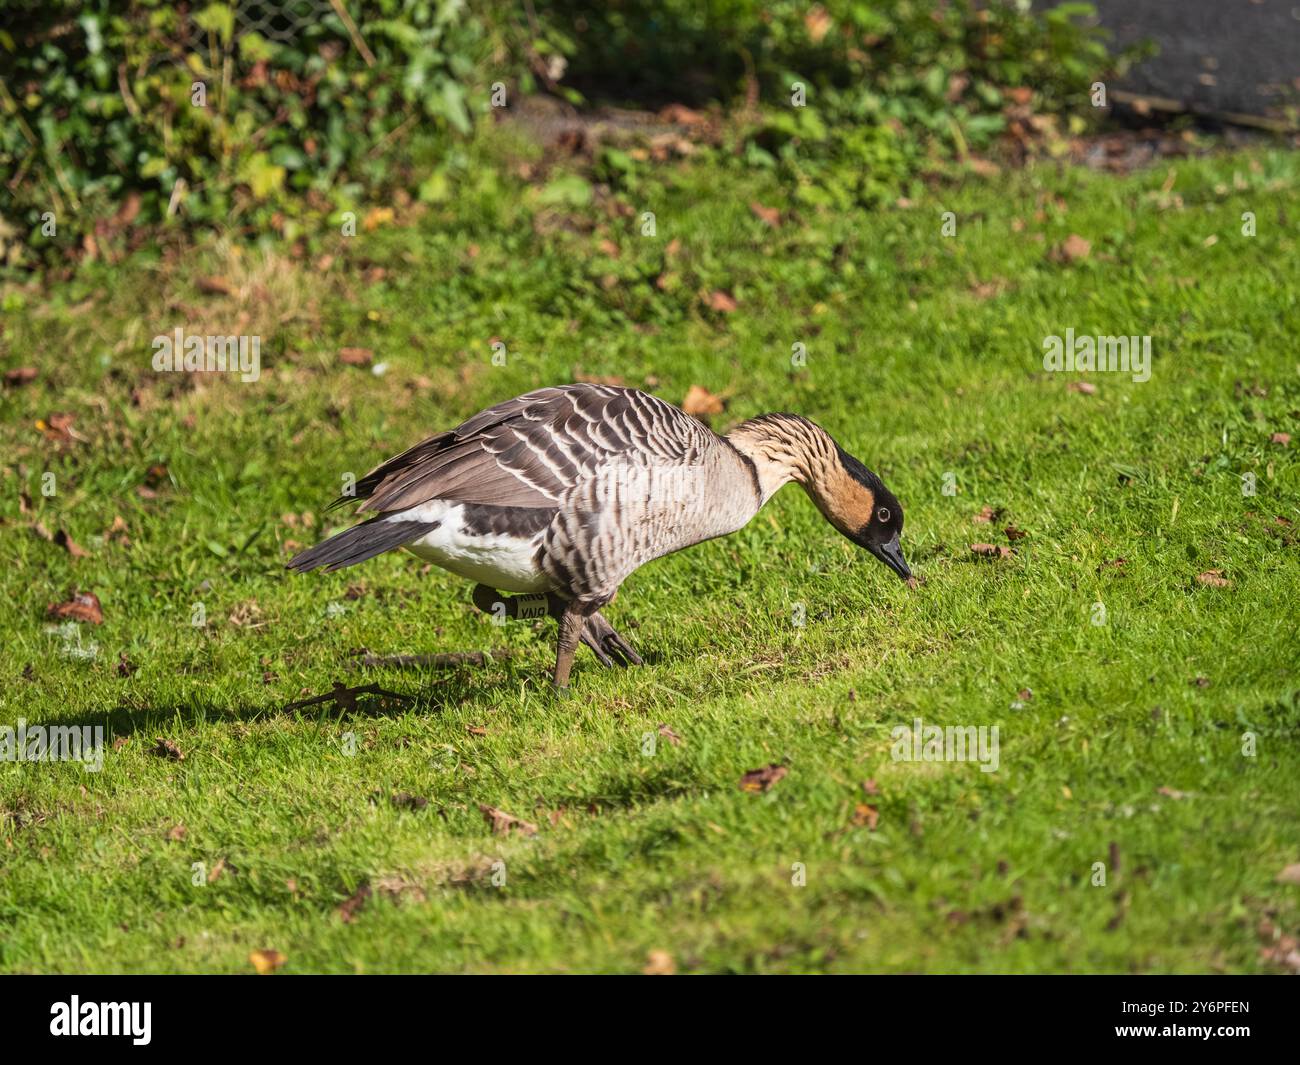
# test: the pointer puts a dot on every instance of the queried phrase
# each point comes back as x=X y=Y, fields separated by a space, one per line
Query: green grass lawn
x=924 y=359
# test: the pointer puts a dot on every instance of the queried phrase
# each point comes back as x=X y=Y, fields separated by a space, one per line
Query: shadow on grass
x=427 y=694
x=393 y=694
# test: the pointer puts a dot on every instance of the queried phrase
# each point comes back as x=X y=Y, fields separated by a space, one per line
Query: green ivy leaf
x=218 y=19
x=568 y=190
x=262 y=176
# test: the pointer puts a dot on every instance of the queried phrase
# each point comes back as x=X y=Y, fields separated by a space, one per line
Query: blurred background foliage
x=126 y=118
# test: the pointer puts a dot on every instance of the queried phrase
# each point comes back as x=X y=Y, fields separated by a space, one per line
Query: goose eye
x=883 y=514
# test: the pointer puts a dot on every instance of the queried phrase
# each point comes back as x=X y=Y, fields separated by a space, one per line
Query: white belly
x=502 y=562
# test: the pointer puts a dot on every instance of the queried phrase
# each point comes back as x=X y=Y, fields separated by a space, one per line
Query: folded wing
x=531 y=450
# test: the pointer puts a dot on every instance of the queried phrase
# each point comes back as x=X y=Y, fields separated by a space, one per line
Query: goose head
x=787 y=447
x=868 y=513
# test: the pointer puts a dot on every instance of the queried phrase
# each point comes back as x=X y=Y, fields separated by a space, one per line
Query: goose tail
x=359 y=543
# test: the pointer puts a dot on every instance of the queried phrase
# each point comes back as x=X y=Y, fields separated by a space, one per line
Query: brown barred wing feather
x=531 y=451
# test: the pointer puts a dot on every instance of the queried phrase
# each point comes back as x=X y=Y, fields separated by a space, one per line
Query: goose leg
x=571 y=625
x=608 y=645
x=598 y=634
x=604 y=640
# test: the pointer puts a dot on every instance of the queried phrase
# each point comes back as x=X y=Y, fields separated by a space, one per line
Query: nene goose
x=563 y=492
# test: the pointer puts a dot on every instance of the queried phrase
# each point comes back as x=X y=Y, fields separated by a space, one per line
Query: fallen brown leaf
x=701 y=403
x=669 y=735
x=1214 y=578
x=503 y=823
x=1290 y=875
x=83 y=606
x=176 y=833
x=866 y=815
x=70 y=545
x=721 y=302
x=166 y=748
x=991 y=550
x=762 y=779
x=215 y=286
x=986 y=514
x=266 y=961
x=1172 y=793
x=770 y=215
x=404 y=800
x=1281 y=438
x=355 y=356
x=1071 y=250
x=218 y=867
x=659 y=963
x=20 y=375
x=376 y=217
x=58 y=427
x=118 y=532
x=1084 y=388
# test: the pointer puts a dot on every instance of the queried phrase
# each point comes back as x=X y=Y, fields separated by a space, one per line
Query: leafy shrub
x=245 y=114
x=863 y=57
x=121 y=117
x=884 y=81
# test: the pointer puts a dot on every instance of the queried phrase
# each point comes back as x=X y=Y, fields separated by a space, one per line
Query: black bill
x=892 y=556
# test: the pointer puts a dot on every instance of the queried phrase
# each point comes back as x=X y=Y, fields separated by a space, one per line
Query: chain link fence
x=282 y=22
